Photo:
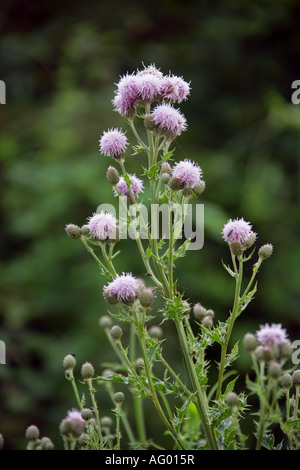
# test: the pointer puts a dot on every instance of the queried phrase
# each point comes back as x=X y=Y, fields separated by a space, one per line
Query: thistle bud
x=110 y=297
x=286 y=350
x=232 y=399
x=199 y=311
x=237 y=248
x=166 y=168
x=86 y=414
x=296 y=378
x=207 y=322
x=155 y=332
x=286 y=381
x=73 y=231
x=146 y=297
x=46 y=443
x=119 y=397
x=165 y=177
x=116 y=333
x=87 y=371
x=250 y=240
x=187 y=192
x=112 y=175
x=259 y=353
x=199 y=188
x=265 y=251
x=85 y=230
x=139 y=364
x=250 y=342
x=105 y=322
x=69 y=361
x=32 y=433
x=275 y=370
x=174 y=183
x=106 y=422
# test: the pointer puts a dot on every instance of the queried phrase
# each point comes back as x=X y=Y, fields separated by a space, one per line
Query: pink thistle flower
x=126 y=98
x=103 y=226
x=75 y=415
x=123 y=288
x=175 y=89
x=113 y=143
x=168 y=120
x=188 y=172
x=273 y=335
x=148 y=87
x=237 y=231
x=136 y=186
x=124 y=106
x=151 y=69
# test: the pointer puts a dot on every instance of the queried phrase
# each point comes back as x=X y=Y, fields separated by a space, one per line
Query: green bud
x=119 y=397
x=286 y=381
x=250 y=342
x=69 y=361
x=237 y=248
x=207 y=322
x=166 y=168
x=165 y=178
x=110 y=297
x=86 y=414
x=106 y=422
x=66 y=427
x=199 y=189
x=286 y=350
x=73 y=231
x=112 y=175
x=155 y=332
x=139 y=363
x=187 y=192
x=146 y=297
x=296 y=378
x=47 y=444
x=275 y=370
x=259 y=353
x=105 y=322
x=32 y=433
x=265 y=251
x=232 y=399
x=116 y=333
x=199 y=311
x=174 y=183
x=250 y=241
x=87 y=371
x=85 y=230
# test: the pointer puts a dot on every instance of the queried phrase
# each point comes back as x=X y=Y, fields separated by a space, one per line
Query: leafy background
x=60 y=61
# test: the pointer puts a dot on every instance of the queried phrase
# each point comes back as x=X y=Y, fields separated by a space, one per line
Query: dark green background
x=60 y=61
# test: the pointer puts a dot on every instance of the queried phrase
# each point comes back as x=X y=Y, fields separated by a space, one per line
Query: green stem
x=230 y=326
x=211 y=439
x=95 y=407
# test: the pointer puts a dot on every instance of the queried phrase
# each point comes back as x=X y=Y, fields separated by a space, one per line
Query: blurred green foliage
x=60 y=61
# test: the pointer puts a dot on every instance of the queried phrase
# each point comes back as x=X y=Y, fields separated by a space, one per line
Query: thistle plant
x=195 y=413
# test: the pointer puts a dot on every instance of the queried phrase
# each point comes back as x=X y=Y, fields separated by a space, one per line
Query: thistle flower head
x=188 y=173
x=113 y=143
x=125 y=106
x=174 y=89
x=126 y=97
x=150 y=69
x=103 y=226
x=168 y=120
x=124 y=288
x=237 y=231
x=148 y=87
x=75 y=415
x=273 y=335
x=136 y=186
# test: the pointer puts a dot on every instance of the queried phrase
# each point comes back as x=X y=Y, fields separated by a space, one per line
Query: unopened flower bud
x=87 y=371
x=110 y=297
x=86 y=414
x=69 y=361
x=275 y=370
x=250 y=342
x=232 y=399
x=265 y=251
x=116 y=333
x=207 y=322
x=73 y=231
x=250 y=240
x=146 y=297
x=286 y=350
x=32 y=433
x=199 y=188
x=166 y=168
x=237 y=248
x=165 y=178
x=106 y=422
x=199 y=311
x=105 y=322
x=259 y=353
x=174 y=183
x=296 y=378
x=270 y=353
x=85 y=230
x=139 y=363
x=155 y=332
x=119 y=397
x=112 y=175
x=46 y=443
x=187 y=192
x=286 y=381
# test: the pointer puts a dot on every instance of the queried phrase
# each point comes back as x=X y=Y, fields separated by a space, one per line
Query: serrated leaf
x=232 y=273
